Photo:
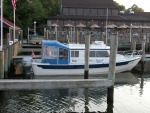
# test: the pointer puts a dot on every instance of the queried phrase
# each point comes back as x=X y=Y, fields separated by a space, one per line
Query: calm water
x=131 y=95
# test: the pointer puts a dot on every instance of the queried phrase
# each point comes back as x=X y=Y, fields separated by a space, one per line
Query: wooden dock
x=53 y=84
x=30 y=50
x=22 y=56
x=147 y=57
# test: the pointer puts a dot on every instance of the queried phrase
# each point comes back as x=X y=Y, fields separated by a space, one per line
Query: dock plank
x=22 y=56
x=31 y=45
x=53 y=84
x=30 y=50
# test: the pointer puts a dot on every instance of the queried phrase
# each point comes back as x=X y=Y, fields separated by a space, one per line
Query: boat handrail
x=130 y=52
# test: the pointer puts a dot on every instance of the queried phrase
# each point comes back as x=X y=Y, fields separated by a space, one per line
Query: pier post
x=112 y=65
x=9 y=58
x=143 y=50
x=21 y=36
x=143 y=55
x=44 y=33
x=28 y=35
x=87 y=46
x=76 y=35
x=6 y=63
x=2 y=64
x=134 y=45
x=47 y=35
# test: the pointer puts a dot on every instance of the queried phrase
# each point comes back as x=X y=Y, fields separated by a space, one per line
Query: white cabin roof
x=95 y=45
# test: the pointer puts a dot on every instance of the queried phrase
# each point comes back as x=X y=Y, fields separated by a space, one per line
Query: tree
x=135 y=8
x=28 y=11
x=51 y=7
x=120 y=7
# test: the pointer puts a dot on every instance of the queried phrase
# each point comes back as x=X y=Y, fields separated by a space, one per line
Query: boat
x=69 y=59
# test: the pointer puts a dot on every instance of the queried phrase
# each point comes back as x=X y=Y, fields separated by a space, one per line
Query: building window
x=72 y=11
x=86 y=11
x=109 y=12
x=65 y=11
x=101 y=12
x=79 y=11
x=74 y=53
x=93 y=11
x=115 y=12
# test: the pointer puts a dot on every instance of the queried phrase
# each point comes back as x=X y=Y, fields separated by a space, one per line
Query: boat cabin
x=98 y=50
x=54 y=52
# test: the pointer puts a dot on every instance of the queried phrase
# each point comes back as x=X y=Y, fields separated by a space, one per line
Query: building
x=97 y=12
x=8 y=28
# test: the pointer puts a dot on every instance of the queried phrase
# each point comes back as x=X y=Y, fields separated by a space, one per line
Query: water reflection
x=86 y=95
x=131 y=94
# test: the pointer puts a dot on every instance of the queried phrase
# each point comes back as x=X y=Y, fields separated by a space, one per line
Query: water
x=128 y=98
x=131 y=95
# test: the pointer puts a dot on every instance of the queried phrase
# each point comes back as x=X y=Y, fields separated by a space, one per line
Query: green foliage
x=135 y=8
x=120 y=7
x=28 y=11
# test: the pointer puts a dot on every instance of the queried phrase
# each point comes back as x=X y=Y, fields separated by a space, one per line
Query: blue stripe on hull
x=80 y=66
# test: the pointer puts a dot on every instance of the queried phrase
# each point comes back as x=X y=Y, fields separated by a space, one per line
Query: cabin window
x=74 y=53
x=92 y=53
x=63 y=53
x=99 y=54
x=50 y=52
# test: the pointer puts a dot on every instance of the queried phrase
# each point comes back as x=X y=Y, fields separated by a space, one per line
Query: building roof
x=88 y=3
x=9 y=23
x=137 y=16
x=85 y=17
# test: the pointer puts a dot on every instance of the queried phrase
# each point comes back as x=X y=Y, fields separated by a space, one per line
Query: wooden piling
x=68 y=35
x=143 y=50
x=143 y=56
x=9 y=58
x=76 y=35
x=44 y=33
x=15 y=49
x=112 y=65
x=87 y=46
x=28 y=35
x=134 y=45
x=6 y=63
x=2 y=64
x=11 y=51
x=47 y=34
x=68 y=41
x=21 y=38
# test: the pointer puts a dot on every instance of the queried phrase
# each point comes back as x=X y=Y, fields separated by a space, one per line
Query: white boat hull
x=52 y=70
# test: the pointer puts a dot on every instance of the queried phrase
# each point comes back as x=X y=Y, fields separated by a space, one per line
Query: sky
x=144 y=4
